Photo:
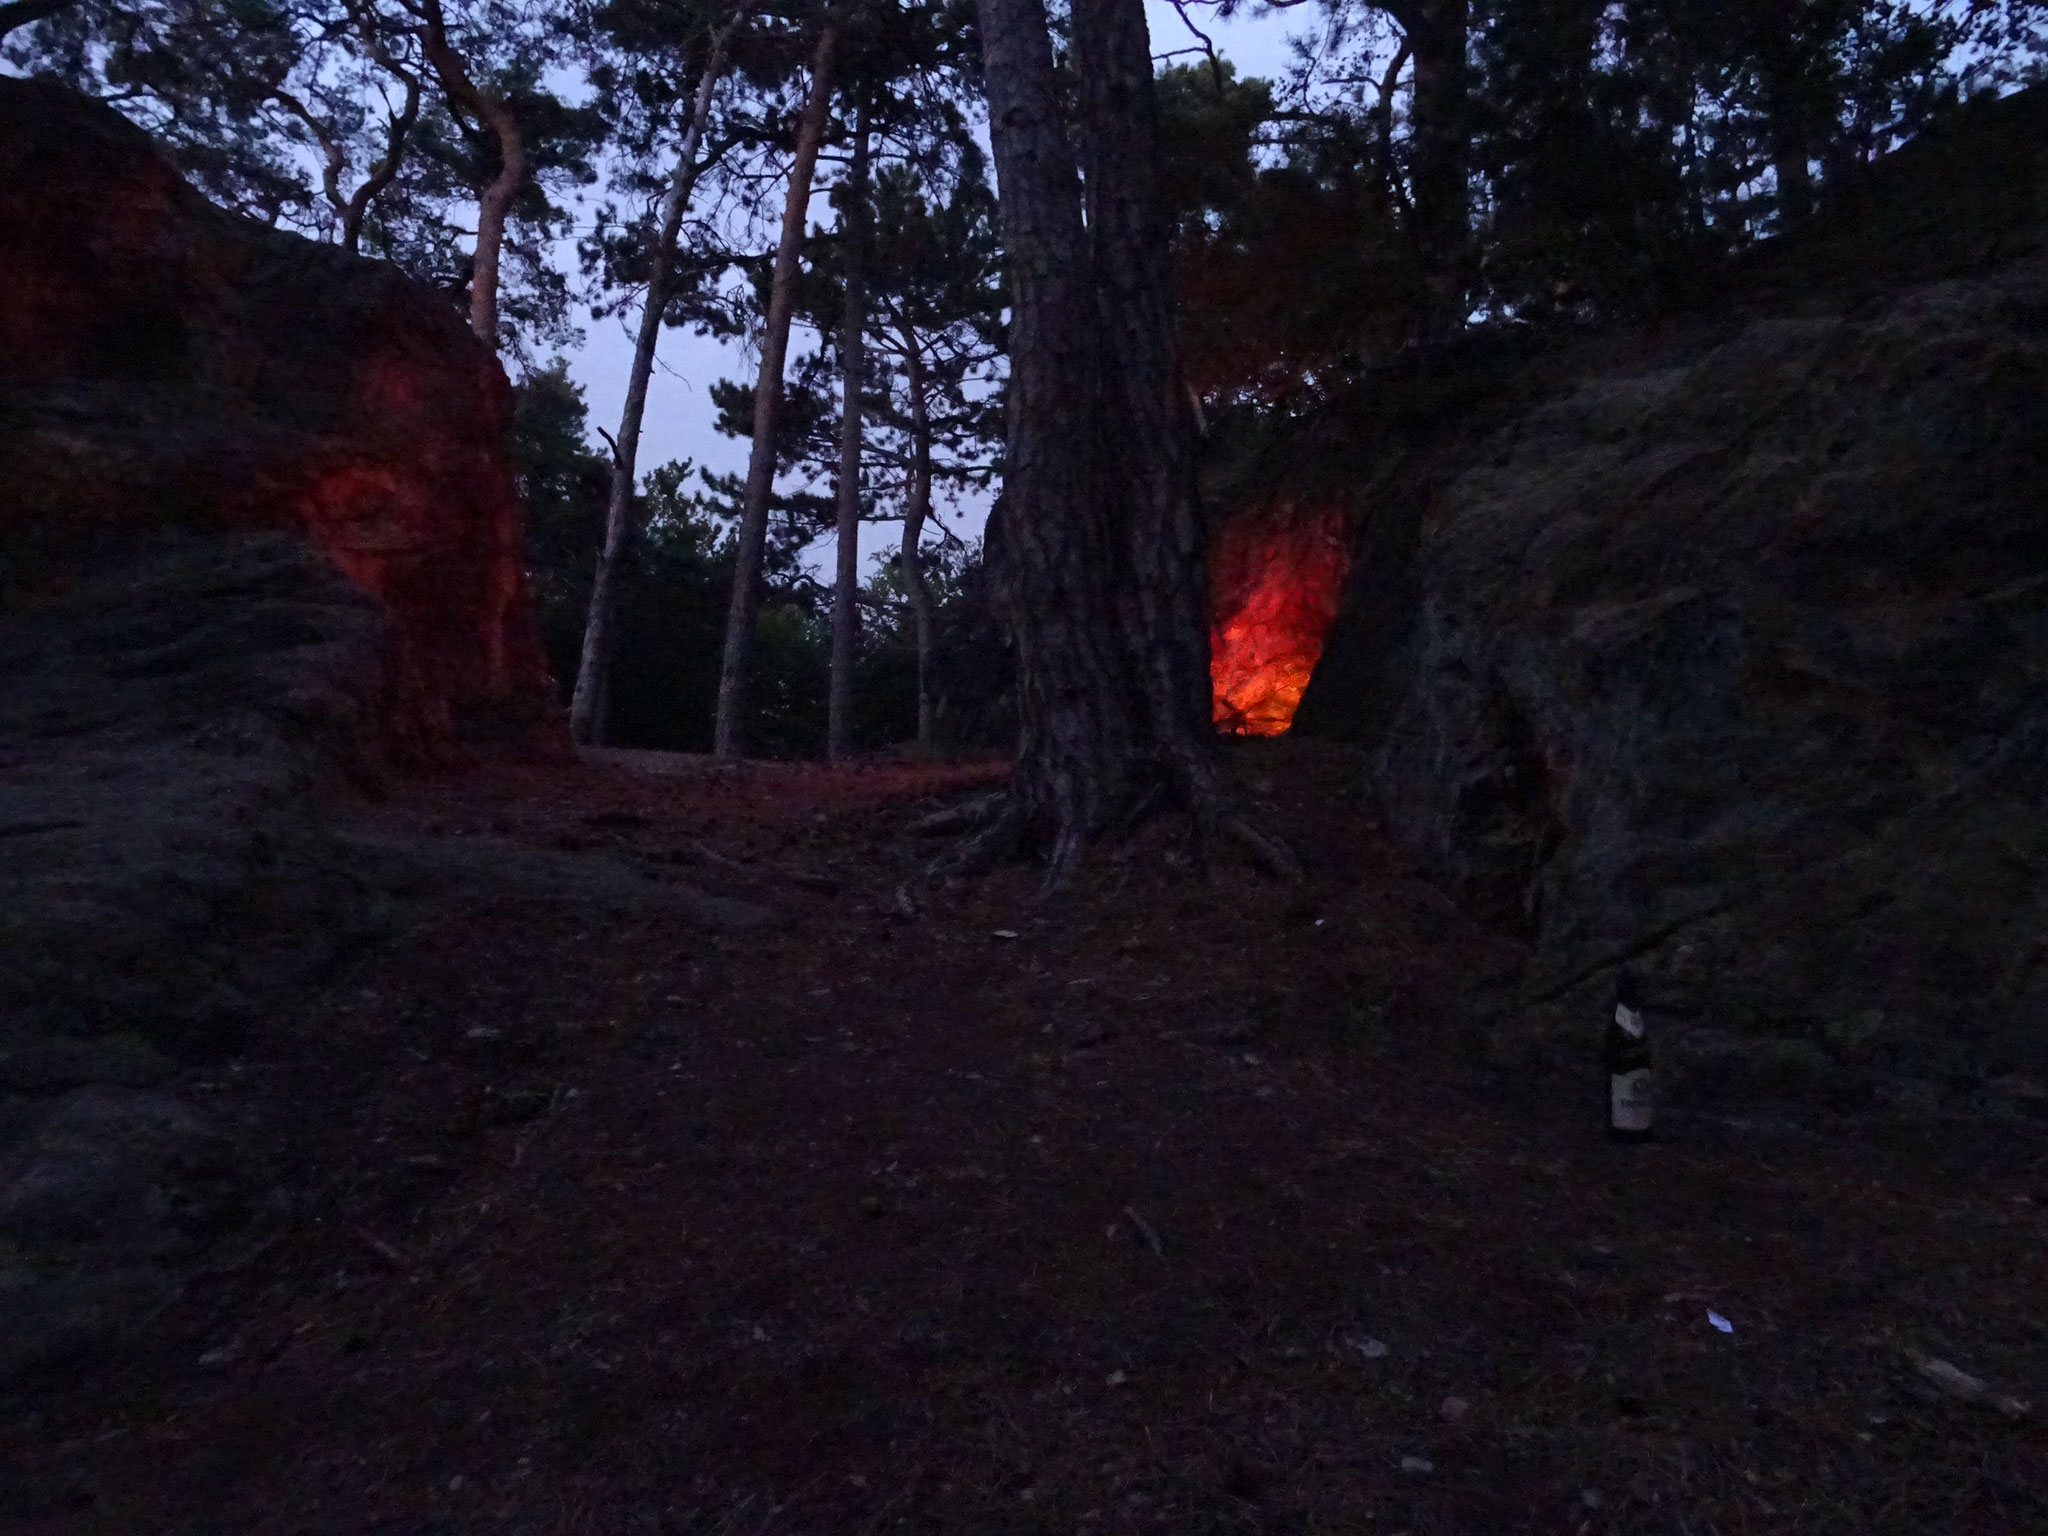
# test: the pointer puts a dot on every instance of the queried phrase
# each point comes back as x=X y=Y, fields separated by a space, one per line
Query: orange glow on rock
x=1275 y=576
x=286 y=386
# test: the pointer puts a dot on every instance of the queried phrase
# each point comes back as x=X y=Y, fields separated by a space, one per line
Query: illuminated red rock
x=1275 y=576
x=164 y=364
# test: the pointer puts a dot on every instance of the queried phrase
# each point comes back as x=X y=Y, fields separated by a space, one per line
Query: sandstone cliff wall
x=165 y=364
x=1721 y=650
x=258 y=539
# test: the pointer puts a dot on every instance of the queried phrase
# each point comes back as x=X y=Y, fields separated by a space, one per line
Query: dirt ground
x=1185 y=1204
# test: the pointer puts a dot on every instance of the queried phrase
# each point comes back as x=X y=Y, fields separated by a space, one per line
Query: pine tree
x=717 y=34
x=727 y=737
x=1097 y=539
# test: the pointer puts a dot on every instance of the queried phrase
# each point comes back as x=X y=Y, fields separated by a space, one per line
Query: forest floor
x=1184 y=1204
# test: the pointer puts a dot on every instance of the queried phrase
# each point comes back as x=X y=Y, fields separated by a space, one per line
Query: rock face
x=166 y=891
x=164 y=729
x=258 y=541
x=1724 y=653
x=163 y=363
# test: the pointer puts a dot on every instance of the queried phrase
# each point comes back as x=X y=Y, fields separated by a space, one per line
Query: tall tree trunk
x=1782 y=52
x=1097 y=544
x=1795 y=184
x=1165 y=599
x=917 y=507
x=753 y=530
x=494 y=199
x=1165 y=607
x=1055 y=544
x=852 y=361
x=618 y=516
x=398 y=129
x=1441 y=127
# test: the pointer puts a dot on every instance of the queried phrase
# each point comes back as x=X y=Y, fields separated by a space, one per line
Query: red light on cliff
x=1275 y=576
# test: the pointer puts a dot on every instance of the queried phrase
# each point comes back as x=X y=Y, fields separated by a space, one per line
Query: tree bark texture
x=494 y=198
x=1165 y=594
x=852 y=362
x=1097 y=542
x=595 y=663
x=753 y=531
x=917 y=507
x=1056 y=545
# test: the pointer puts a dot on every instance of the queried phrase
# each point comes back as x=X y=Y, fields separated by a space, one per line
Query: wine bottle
x=1631 y=1106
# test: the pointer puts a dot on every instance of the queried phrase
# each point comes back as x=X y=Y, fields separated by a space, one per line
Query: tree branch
x=1208 y=45
x=398 y=128
x=331 y=150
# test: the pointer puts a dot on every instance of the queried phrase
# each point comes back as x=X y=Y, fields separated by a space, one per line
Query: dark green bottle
x=1631 y=1097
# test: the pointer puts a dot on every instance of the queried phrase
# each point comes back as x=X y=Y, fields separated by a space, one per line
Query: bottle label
x=1630 y=1108
x=1630 y=1021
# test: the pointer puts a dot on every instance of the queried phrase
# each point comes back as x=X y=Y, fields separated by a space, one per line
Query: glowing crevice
x=1275 y=577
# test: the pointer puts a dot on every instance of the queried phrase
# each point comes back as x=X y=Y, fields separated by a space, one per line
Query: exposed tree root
x=1214 y=803
x=999 y=825
x=1147 y=802
x=1267 y=850
x=1063 y=862
x=964 y=817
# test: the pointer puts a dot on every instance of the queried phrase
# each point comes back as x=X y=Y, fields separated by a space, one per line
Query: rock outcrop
x=166 y=364
x=166 y=892
x=259 y=542
x=1723 y=652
